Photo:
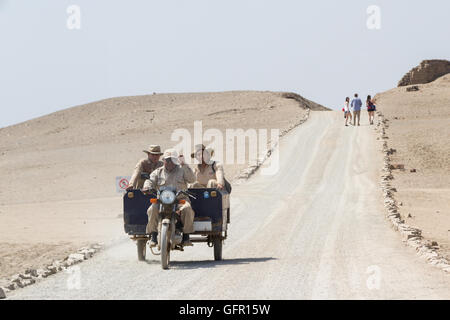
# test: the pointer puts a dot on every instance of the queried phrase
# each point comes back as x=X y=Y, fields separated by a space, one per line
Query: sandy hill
x=58 y=171
x=419 y=131
x=77 y=152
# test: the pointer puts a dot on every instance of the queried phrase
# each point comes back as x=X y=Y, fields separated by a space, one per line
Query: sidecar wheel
x=141 y=249
x=218 y=249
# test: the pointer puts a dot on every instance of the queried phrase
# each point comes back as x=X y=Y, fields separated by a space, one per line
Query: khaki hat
x=201 y=147
x=153 y=149
x=172 y=154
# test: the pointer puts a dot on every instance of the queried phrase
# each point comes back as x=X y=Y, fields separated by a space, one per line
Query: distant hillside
x=76 y=153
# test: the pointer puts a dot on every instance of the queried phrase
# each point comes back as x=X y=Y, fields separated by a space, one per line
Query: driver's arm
x=152 y=182
x=136 y=174
x=219 y=173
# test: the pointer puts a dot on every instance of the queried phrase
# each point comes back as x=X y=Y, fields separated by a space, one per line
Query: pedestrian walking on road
x=356 y=108
x=347 y=113
x=370 y=109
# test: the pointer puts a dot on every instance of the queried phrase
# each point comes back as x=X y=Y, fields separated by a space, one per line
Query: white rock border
x=31 y=276
x=250 y=170
x=429 y=250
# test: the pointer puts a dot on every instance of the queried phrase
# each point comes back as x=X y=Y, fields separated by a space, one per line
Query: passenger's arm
x=220 y=174
x=136 y=174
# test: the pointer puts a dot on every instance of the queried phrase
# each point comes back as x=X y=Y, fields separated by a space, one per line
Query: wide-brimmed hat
x=201 y=147
x=153 y=149
x=172 y=154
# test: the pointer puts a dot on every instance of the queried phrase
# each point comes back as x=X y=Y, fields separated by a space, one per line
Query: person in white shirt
x=347 y=113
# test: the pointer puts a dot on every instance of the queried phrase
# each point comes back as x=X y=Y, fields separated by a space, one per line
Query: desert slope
x=419 y=131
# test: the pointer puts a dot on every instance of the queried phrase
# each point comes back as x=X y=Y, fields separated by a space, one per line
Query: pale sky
x=322 y=50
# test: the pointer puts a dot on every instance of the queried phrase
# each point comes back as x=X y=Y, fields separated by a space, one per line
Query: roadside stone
x=31 y=271
x=52 y=269
x=26 y=276
x=40 y=272
x=12 y=286
x=68 y=263
x=90 y=252
x=58 y=265
x=45 y=274
x=391 y=151
x=2 y=293
x=397 y=166
x=412 y=88
x=76 y=257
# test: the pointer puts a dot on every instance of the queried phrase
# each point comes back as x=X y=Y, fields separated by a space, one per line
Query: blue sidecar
x=212 y=215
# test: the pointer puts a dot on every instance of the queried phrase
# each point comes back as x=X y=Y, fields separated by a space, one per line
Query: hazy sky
x=322 y=50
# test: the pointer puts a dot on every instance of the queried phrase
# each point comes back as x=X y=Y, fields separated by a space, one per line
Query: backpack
x=227 y=184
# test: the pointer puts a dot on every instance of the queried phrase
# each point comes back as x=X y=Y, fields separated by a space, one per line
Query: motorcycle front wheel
x=165 y=246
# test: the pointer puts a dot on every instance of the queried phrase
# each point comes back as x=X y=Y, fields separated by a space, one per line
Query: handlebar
x=155 y=192
x=187 y=194
x=145 y=175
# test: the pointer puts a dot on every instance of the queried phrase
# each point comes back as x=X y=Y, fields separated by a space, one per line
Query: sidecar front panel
x=210 y=206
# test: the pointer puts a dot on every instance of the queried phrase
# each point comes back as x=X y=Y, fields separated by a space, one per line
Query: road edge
x=32 y=276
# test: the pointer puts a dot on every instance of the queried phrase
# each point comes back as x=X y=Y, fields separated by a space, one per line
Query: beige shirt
x=203 y=175
x=178 y=178
x=143 y=166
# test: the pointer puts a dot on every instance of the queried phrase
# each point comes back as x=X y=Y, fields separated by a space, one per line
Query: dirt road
x=314 y=230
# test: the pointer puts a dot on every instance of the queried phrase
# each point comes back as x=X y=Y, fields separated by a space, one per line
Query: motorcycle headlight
x=167 y=197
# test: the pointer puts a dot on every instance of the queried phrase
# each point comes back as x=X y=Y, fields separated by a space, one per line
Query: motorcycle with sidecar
x=212 y=216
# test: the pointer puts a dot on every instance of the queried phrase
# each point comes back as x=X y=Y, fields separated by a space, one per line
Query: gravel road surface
x=314 y=230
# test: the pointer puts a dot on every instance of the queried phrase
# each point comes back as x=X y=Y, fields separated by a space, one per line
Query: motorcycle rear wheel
x=217 y=249
x=141 y=249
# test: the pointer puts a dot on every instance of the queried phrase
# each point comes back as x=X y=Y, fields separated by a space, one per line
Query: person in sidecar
x=177 y=174
x=146 y=165
x=208 y=173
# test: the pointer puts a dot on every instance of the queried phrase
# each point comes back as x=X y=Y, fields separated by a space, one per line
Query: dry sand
x=419 y=131
x=57 y=187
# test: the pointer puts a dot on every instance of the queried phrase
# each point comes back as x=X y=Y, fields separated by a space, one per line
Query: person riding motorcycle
x=146 y=166
x=208 y=174
x=177 y=174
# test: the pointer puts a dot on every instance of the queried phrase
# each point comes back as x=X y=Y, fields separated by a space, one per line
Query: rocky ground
x=417 y=130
